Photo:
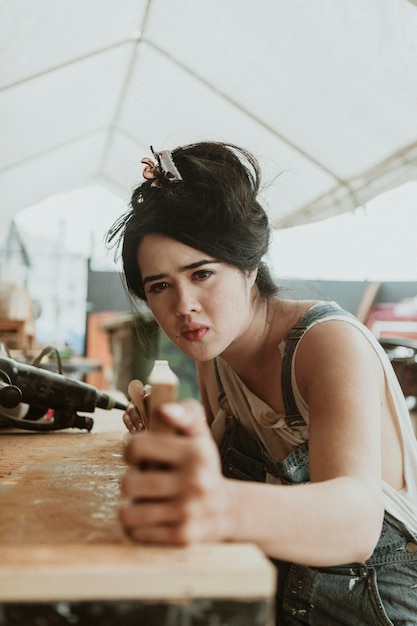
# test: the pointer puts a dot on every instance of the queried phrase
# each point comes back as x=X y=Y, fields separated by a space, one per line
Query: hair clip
x=164 y=169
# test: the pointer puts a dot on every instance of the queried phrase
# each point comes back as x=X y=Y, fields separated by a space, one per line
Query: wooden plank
x=60 y=538
x=60 y=487
x=93 y=572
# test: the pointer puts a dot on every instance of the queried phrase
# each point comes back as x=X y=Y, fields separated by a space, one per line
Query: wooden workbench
x=64 y=558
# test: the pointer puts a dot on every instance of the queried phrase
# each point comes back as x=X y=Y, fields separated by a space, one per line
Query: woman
x=293 y=392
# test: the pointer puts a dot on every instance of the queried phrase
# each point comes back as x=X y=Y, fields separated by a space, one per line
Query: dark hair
x=214 y=209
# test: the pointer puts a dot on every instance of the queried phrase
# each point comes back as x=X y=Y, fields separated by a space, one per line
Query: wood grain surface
x=60 y=538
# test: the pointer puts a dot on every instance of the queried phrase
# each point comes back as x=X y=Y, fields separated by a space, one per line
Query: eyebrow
x=182 y=268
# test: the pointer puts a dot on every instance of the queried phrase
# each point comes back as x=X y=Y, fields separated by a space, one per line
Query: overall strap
x=317 y=312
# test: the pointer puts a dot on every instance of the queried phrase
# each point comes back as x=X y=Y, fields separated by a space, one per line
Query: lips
x=193 y=332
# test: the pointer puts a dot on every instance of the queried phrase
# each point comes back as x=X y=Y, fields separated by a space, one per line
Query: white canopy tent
x=324 y=93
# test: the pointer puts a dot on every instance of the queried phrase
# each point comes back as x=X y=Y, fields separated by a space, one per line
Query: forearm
x=321 y=524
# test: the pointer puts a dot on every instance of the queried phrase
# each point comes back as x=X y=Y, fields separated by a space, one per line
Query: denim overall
x=380 y=591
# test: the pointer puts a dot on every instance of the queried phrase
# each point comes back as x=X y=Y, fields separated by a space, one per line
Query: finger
x=135 y=390
x=163 y=534
x=159 y=525
x=138 y=394
x=154 y=484
x=128 y=423
x=170 y=451
x=145 y=515
x=154 y=448
x=186 y=417
x=133 y=419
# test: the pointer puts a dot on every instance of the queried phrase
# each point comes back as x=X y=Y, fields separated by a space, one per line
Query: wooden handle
x=164 y=388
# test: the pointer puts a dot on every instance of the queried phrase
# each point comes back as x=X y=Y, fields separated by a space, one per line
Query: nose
x=186 y=301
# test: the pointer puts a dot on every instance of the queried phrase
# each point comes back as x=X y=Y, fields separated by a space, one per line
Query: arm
x=334 y=519
x=337 y=518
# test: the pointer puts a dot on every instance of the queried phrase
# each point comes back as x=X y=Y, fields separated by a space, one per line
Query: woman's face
x=202 y=304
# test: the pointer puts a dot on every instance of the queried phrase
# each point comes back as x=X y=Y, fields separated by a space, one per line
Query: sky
x=376 y=242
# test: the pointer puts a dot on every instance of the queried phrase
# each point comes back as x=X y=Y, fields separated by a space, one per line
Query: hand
x=135 y=416
x=181 y=497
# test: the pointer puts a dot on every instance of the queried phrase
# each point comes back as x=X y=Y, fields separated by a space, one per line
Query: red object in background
x=98 y=347
x=393 y=320
x=395 y=327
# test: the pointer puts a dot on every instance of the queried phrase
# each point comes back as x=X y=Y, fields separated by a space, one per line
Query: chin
x=196 y=350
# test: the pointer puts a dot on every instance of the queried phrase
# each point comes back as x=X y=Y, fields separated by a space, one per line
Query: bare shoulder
x=337 y=349
x=336 y=336
x=339 y=330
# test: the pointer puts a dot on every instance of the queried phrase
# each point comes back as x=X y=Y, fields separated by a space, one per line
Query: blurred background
x=325 y=96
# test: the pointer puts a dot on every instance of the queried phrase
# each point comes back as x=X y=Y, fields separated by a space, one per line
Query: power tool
x=34 y=398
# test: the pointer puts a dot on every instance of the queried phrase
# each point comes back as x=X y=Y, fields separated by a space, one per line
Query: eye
x=202 y=274
x=157 y=287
